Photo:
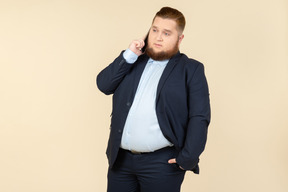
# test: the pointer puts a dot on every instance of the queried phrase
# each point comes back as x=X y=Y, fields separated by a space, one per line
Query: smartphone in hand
x=146 y=42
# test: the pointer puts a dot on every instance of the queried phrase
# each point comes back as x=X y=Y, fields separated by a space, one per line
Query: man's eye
x=167 y=34
x=154 y=30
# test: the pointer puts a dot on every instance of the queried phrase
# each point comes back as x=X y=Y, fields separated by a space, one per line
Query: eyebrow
x=166 y=30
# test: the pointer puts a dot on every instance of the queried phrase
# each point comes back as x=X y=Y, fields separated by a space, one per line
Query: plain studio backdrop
x=54 y=122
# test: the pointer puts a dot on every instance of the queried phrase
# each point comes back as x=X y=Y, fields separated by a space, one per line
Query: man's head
x=166 y=34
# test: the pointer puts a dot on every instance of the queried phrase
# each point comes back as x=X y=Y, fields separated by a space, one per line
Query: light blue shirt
x=142 y=132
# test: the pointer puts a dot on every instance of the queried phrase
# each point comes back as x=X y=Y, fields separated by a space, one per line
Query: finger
x=136 y=43
x=141 y=42
x=171 y=161
x=136 y=46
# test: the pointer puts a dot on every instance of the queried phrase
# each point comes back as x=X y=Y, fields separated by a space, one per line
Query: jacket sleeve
x=110 y=77
x=199 y=119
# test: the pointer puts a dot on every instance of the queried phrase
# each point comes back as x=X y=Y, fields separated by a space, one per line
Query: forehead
x=164 y=24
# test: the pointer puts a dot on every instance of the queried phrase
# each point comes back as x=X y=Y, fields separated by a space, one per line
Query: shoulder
x=189 y=63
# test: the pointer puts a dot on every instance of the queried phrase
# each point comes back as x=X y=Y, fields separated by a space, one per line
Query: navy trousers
x=148 y=172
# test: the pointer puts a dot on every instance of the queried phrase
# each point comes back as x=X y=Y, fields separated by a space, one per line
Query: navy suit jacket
x=182 y=104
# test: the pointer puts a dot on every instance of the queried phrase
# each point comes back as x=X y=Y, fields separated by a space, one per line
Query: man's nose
x=159 y=37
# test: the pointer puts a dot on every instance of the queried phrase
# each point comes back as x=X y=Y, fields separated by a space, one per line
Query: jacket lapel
x=167 y=71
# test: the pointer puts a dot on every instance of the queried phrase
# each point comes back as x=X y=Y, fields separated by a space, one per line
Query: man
x=161 y=110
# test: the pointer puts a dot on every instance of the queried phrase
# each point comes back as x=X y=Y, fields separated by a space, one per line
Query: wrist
x=130 y=56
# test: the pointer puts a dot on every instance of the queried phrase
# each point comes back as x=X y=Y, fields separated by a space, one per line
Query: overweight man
x=161 y=110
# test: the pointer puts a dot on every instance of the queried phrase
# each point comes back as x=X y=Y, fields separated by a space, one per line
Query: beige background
x=54 y=121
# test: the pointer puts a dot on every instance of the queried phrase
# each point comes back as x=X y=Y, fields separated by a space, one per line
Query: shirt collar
x=161 y=63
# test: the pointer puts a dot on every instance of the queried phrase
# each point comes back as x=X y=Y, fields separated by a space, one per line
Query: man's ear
x=181 y=37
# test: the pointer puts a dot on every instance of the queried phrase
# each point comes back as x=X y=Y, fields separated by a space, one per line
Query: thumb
x=171 y=161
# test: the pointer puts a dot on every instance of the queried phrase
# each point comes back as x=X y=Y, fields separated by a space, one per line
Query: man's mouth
x=157 y=45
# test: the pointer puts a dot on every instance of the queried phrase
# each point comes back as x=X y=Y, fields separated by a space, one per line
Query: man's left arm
x=199 y=119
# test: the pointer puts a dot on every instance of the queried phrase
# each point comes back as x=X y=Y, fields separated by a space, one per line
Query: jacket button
x=128 y=104
x=119 y=131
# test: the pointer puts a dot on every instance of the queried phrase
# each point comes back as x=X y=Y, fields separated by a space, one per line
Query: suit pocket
x=177 y=167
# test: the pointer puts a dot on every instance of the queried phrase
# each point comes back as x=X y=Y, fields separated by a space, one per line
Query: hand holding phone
x=136 y=46
x=139 y=46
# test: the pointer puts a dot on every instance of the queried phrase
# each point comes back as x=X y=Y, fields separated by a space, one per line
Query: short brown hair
x=174 y=14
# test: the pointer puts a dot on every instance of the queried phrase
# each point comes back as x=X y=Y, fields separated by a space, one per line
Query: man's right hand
x=136 y=46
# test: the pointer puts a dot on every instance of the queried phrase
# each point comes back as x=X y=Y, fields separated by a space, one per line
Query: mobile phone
x=146 y=42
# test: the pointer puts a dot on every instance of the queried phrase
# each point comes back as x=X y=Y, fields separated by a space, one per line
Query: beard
x=163 y=55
